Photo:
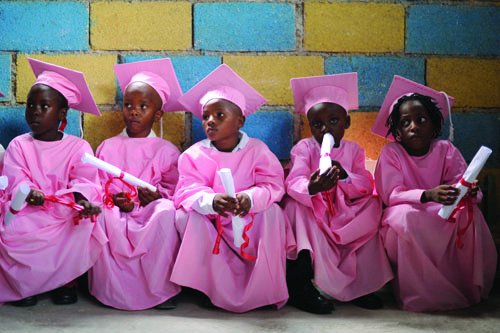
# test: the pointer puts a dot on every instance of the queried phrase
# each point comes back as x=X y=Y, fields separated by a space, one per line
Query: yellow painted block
x=98 y=71
x=473 y=82
x=140 y=25
x=110 y=124
x=359 y=132
x=270 y=75
x=354 y=27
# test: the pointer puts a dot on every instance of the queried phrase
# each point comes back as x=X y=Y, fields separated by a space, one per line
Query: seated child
x=133 y=271
x=335 y=216
x=415 y=177
x=208 y=260
x=46 y=246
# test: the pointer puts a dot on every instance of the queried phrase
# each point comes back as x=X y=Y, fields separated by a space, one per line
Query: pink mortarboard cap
x=1 y=94
x=157 y=73
x=341 y=89
x=403 y=87
x=70 y=83
x=222 y=83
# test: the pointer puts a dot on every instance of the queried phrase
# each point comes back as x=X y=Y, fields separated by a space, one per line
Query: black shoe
x=28 y=301
x=207 y=303
x=310 y=300
x=169 y=304
x=370 y=302
x=64 y=295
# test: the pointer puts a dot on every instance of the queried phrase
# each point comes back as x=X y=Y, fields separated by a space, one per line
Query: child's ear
x=347 y=122
x=241 y=121
x=158 y=115
x=62 y=114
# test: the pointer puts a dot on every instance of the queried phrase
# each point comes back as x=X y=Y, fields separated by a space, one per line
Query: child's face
x=415 y=128
x=328 y=118
x=141 y=108
x=221 y=122
x=44 y=113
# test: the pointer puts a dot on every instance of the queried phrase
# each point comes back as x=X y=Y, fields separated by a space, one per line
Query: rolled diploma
x=238 y=224
x=111 y=169
x=469 y=176
x=4 y=181
x=325 y=161
x=17 y=202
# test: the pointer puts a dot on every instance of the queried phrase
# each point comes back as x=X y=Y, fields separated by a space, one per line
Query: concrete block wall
x=449 y=45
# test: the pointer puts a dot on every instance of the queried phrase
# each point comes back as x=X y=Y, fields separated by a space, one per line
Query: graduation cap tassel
x=81 y=125
x=451 y=136
x=161 y=127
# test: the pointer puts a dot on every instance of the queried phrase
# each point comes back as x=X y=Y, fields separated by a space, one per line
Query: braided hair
x=427 y=102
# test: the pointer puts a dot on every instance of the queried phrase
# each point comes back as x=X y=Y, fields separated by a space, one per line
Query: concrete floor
x=90 y=316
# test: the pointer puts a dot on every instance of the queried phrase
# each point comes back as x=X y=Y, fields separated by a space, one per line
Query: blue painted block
x=189 y=69
x=244 y=26
x=5 y=74
x=473 y=130
x=375 y=74
x=44 y=26
x=274 y=128
x=13 y=123
x=439 y=29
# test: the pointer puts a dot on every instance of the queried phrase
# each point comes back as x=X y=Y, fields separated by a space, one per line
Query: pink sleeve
x=389 y=180
x=269 y=187
x=84 y=179
x=169 y=173
x=361 y=181
x=15 y=168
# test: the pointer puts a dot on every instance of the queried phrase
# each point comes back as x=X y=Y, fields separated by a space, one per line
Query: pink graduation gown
x=230 y=281
x=133 y=271
x=348 y=257
x=432 y=273
x=42 y=249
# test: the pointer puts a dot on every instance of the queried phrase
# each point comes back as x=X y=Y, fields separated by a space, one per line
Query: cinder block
x=440 y=29
x=97 y=68
x=14 y=123
x=359 y=132
x=354 y=27
x=244 y=26
x=124 y=25
x=473 y=82
x=375 y=74
x=189 y=69
x=275 y=128
x=32 y=26
x=270 y=75
x=5 y=74
x=173 y=128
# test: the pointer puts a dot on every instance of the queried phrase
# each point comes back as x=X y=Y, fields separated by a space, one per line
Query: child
x=236 y=279
x=335 y=216
x=43 y=248
x=133 y=271
x=415 y=177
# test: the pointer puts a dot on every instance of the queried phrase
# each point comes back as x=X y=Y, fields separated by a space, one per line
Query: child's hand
x=89 y=208
x=442 y=194
x=224 y=203
x=123 y=202
x=243 y=205
x=325 y=182
x=146 y=196
x=472 y=192
x=342 y=172
x=35 y=198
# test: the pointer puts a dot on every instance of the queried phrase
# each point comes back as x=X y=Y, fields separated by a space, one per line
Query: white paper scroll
x=325 y=160
x=17 y=202
x=238 y=223
x=111 y=169
x=4 y=181
x=469 y=176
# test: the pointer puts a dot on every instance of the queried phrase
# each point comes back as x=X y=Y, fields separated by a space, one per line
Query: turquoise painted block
x=13 y=123
x=44 y=26
x=437 y=29
x=189 y=69
x=244 y=26
x=5 y=76
x=473 y=130
x=375 y=74
x=274 y=128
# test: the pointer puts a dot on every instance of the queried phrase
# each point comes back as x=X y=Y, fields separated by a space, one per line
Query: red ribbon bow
x=470 y=214
x=330 y=203
x=108 y=197
x=73 y=205
x=216 y=249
